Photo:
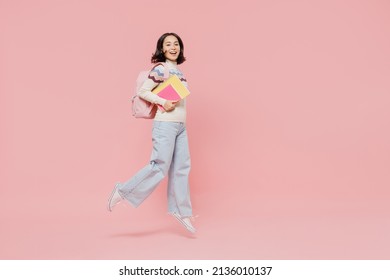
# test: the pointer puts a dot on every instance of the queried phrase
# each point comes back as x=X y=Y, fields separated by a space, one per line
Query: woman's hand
x=169 y=106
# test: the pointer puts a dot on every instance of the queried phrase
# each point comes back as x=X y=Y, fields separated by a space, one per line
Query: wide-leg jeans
x=170 y=156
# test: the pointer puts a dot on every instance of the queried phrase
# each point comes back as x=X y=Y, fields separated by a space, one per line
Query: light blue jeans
x=170 y=156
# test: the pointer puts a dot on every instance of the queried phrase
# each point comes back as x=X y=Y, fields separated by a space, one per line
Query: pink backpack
x=141 y=108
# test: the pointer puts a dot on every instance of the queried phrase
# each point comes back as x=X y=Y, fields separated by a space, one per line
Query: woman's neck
x=170 y=62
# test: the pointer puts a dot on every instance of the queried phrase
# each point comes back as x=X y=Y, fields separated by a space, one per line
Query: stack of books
x=172 y=89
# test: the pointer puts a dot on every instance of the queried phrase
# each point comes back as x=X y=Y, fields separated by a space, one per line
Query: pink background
x=288 y=123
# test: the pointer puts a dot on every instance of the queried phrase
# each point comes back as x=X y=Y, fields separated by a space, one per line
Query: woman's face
x=171 y=48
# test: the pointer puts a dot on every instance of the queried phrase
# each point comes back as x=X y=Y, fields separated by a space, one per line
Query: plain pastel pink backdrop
x=288 y=121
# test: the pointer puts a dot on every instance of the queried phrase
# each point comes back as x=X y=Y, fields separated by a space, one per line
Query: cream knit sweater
x=156 y=76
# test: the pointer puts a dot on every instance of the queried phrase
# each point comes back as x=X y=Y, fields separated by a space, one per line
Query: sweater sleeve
x=156 y=76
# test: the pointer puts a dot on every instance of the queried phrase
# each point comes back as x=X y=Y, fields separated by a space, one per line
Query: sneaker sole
x=179 y=219
x=111 y=196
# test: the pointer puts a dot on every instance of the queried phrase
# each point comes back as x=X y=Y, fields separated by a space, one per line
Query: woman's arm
x=156 y=76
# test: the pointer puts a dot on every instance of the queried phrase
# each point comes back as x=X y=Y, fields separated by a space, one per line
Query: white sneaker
x=115 y=198
x=186 y=222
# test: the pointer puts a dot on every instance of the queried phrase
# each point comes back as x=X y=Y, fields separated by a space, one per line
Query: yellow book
x=172 y=89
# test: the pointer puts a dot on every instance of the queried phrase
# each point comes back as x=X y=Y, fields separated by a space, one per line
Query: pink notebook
x=169 y=93
x=172 y=89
